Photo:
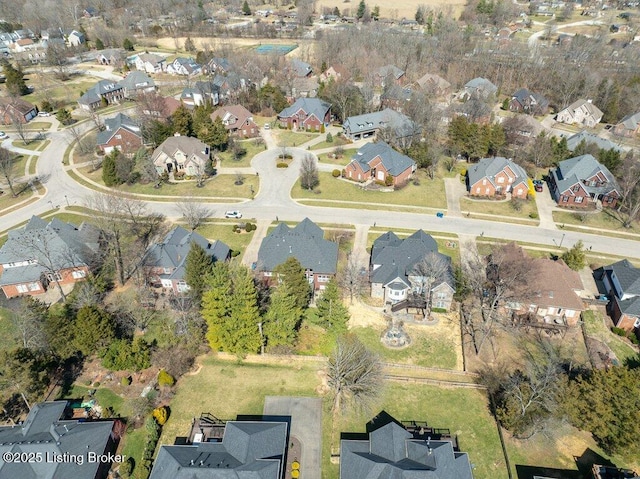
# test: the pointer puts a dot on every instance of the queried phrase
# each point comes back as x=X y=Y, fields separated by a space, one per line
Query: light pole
x=562 y=239
x=67 y=200
x=51 y=203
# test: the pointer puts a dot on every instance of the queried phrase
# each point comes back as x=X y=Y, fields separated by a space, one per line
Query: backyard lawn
x=503 y=209
x=429 y=193
x=596 y=328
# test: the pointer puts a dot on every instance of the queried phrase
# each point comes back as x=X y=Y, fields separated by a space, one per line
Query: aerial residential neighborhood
x=319 y=239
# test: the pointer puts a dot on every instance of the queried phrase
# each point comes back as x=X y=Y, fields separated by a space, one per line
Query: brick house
x=237 y=120
x=582 y=112
x=377 y=161
x=164 y=263
x=369 y=124
x=621 y=282
x=136 y=83
x=497 y=176
x=306 y=114
x=581 y=181
x=43 y=253
x=526 y=101
x=122 y=133
x=305 y=242
x=16 y=109
x=479 y=88
x=434 y=84
x=181 y=153
x=104 y=91
x=629 y=126
x=389 y=72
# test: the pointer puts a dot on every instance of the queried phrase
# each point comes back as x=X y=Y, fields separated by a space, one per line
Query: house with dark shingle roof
x=389 y=72
x=150 y=63
x=395 y=451
x=574 y=141
x=184 y=66
x=479 y=88
x=305 y=242
x=300 y=69
x=237 y=120
x=629 y=126
x=393 y=273
x=16 y=110
x=46 y=432
x=369 y=124
x=496 y=177
x=377 y=161
x=621 y=282
x=247 y=449
x=121 y=133
x=581 y=181
x=526 y=101
x=42 y=253
x=580 y=111
x=202 y=93
x=103 y=91
x=165 y=261
x=137 y=82
x=306 y=114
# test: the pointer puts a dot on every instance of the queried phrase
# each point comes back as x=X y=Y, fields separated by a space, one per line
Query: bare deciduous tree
x=7 y=168
x=309 y=173
x=426 y=274
x=351 y=279
x=193 y=212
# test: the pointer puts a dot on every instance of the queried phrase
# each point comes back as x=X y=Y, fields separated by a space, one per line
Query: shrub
x=463 y=173
x=165 y=379
x=388 y=181
x=329 y=138
x=344 y=173
x=322 y=128
x=96 y=384
x=335 y=173
x=125 y=381
x=633 y=338
x=235 y=253
x=618 y=331
x=533 y=215
x=161 y=414
x=126 y=468
x=282 y=164
x=438 y=310
x=46 y=106
x=179 y=175
x=250 y=227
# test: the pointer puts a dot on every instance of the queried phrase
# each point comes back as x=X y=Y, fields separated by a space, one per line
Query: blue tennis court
x=277 y=49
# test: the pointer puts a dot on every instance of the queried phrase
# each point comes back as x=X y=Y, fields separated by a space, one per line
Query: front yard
x=605 y=222
x=224 y=232
x=505 y=210
x=342 y=160
x=252 y=147
x=428 y=194
x=292 y=138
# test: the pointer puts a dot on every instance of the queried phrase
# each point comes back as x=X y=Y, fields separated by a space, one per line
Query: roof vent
x=201 y=463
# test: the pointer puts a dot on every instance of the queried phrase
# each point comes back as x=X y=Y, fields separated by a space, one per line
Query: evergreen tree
x=64 y=117
x=245 y=8
x=331 y=310
x=109 y=175
x=189 y=45
x=94 y=330
x=291 y=274
x=214 y=134
x=181 y=121
x=99 y=44
x=575 y=257
x=270 y=96
x=216 y=303
x=127 y=45
x=241 y=333
x=362 y=7
x=281 y=322
x=610 y=158
x=14 y=79
x=375 y=13
x=198 y=267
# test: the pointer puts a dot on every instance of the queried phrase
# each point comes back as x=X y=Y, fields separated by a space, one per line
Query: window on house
x=441 y=304
x=118 y=137
x=54 y=276
x=323 y=278
x=78 y=274
x=501 y=179
x=576 y=188
x=34 y=287
x=442 y=296
x=268 y=274
x=484 y=182
x=579 y=199
x=22 y=288
x=565 y=199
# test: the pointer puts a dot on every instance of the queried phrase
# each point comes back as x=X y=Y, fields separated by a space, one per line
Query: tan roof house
x=181 y=153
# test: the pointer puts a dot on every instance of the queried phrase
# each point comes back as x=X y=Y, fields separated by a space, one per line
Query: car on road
x=233 y=214
x=538 y=184
x=3 y=134
x=267 y=126
x=44 y=113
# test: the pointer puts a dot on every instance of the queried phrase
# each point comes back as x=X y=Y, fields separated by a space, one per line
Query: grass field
x=397 y=10
x=9 y=336
x=596 y=328
x=430 y=193
x=604 y=221
x=245 y=160
x=64 y=93
x=291 y=138
x=224 y=232
x=7 y=200
x=342 y=161
x=337 y=141
x=33 y=145
x=503 y=209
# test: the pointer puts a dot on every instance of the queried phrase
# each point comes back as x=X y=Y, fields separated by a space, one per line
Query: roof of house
x=393 y=161
x=630 y=122
x=186 y=144
x=137 y=79
x=393 y=258
x=435 y=80
x=401 y=124
x=232 y=111
x=151 y=58
x=574 y=140
x=579 y=168
x=482 y=84
x=232 y=80
x=45 y=432
x=248 y=450
x=392 y=70
x=172 y=252
x=305 y=242
x=221 y=63
x=95 y=93
x=396 y=92
x=524 y=96
x=591 y=109
x=488 y=168
x=44 y=246
x=189 y=64
x=300 y=68
x=18 y=104
x=392 y=452
x=112 y=125
x=555 y=284
x=311 y=106
x=630 y=307
x=628 y=276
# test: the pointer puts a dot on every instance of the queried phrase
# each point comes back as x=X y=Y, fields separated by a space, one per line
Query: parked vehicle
x=44 y=113
x=3 y=134
x=233 y=214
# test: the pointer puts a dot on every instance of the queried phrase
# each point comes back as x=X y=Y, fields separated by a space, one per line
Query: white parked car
x=3 y=134
x=233 y=214
x=266 y=126
x=44 y=113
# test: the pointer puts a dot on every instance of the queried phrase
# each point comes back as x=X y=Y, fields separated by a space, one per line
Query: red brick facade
x=66 y=276
x=500 y=185
x=302 y=121
x=355 y=172
x=621 y=320
x=124 y=140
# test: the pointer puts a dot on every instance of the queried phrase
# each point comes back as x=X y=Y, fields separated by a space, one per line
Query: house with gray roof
x=582 y=112
x=621 y=282
x=379 y=162
x=392 y=72
x=150 y=63
x=185 y=66
x=300 y=69
x=369 y=124
x=629 y=126
x=165 y=261
x=582 y=181
x=434 y=84
x=305 y=242
x=121 y=133
x=311 y=114
x=497 y=176
x=42 y=253
x=602 y=143
x=395 y=274
x=137 y=82
x=201 y=93
x=479 y=88
x=394 y=450
x=246 y=450
x=182 y=153
x=525 y=101
x=49 y=434
x=103 y=92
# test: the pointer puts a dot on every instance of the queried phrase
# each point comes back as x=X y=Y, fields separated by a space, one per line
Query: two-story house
x=184 y=66
x=150 y=63
x=525 y=101
x=181 y=153
x=377 y=162
x=369 y=124
x=136 y=83
x=621 y=282
x=121 y=133
x=496 y=177
x=237 y=120
x=202 y=93
x=582 y=112
x=479 y=88
x=14 y=110
x=629 y=126
x=310 y=114
x=104 y=92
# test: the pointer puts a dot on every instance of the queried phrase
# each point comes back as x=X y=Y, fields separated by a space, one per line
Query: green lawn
x=34 y=145
x=64 y=93
x=7 y=200
x=596 y=328
x=430 y=193
x=245 y=160
x=342 y=161
x=604 y=221
x=503 y=209
x=133 y=444
x=33 y=165
x=104 y=397
x=292 y=138
x=337 y=141
x=224 y=232
x=9 y=336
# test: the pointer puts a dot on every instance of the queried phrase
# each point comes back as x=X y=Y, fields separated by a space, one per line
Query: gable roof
x=435 y=80
x=311 y=106
x=481 y=84
x=232 y=111
x=300 y=68
x=489 y=167
x=574 y=140
x=305 y=242
x=579 y=168
x=392 y=70
x=186 y=144
x=17 y=104
x=524 y=96
x=45 y=432
x=401 y=124
x=95 y=93
x=151 y=58
x=555 y=284
x=137 y=79
x=586 y=105
x=628 y=276
x=393 y=161
x=112 y=125
x=630 y=307
x=630 y=122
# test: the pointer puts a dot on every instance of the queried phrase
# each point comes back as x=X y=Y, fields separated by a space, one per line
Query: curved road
x=274 y=200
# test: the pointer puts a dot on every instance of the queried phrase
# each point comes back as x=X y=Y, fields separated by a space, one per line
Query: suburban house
x=629 y=126
x=583 y=112
x=581 y=182
x=369 y=124
x=525 y=101
x=496 y=177
x=51 y=431
x=237 y=120
x=217 y=65
x=396 y=97
x=300 y=69
x=377 y=161
x=104 y=91
x=150 y=63
x=181 y=153
x=389 y=72
x=394 y=275
x=229 y=85
x=305 y=87
x=479 y=88
x=602 y=143
x=306 y=243
x=408 y=449
x=111 y=56
x=335 y=73
x=122 y=133
x=165 y=261
x=306 y=114
x=203 y=92
x=137 y=82
x=527 y=126
x=216 y=449
x=76 y=38
x=42 y=253
x=434 y=84
x=23 y=45
x=160 y=107
x=14 y=110
x=621 y=282
x=184 y=66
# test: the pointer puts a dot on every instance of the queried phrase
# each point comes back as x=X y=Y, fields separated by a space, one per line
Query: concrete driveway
x=454 y=189
x=545 y=205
